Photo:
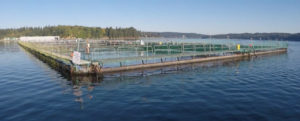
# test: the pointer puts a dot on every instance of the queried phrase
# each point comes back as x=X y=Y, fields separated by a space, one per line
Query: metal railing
x=117 y=53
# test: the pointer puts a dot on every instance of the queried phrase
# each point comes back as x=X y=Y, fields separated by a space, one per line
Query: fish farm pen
x=107 y=56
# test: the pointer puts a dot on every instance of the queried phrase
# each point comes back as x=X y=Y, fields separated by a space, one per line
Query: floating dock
x=101 y=57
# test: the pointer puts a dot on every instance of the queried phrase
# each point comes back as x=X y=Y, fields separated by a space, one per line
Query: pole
x=77 y=44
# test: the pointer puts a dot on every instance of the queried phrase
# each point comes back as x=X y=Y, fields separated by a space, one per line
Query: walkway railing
x=125 y=53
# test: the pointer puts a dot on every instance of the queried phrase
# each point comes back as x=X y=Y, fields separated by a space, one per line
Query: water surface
x=262 y=88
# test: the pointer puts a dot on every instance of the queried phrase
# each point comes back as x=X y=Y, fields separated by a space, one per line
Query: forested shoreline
x=72 y=32
x=254 y=36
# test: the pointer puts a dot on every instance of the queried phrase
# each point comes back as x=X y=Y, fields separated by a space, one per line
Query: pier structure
x=108 y=56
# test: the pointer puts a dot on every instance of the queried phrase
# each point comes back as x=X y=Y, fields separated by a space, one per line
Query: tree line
x=254 y=36
x=70 y=32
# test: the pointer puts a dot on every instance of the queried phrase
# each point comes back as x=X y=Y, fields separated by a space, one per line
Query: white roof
x=39 y=38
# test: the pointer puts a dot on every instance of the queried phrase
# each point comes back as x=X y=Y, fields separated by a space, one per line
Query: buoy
x=238 y=47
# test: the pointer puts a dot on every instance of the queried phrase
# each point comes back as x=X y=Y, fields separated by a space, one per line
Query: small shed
x=39 y=38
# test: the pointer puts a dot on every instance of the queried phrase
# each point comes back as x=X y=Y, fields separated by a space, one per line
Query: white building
x=39 y=38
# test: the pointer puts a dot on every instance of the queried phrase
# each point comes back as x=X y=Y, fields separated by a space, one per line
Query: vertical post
x=153 y=49
x=204 y=47
x=93 y=54
x=168 y=48
x=147 y=53
x=183 y=47
x=77 y=44
x=194 y=50
x=59 y=48
x=209 y=49
x=137 y=54
x=117 y=49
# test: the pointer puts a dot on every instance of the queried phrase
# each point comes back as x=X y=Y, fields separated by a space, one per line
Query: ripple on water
x=264 y=88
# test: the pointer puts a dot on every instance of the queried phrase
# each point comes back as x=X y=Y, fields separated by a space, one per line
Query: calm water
x=263 y=88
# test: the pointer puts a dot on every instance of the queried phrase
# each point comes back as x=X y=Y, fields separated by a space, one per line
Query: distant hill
x=71 y=32
x=173 y=35
x=256 y=36
x=261 y=36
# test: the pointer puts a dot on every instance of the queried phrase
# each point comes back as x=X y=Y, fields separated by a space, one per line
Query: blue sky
x=198 y=16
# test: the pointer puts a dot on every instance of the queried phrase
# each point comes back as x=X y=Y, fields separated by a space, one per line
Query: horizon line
x=2 y=28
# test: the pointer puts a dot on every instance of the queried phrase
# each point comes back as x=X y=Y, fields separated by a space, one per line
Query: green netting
x=108 y=52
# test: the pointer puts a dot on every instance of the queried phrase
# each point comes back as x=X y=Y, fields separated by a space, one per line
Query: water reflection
x=83 y=86
x=81 y=83
x=8 y=46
